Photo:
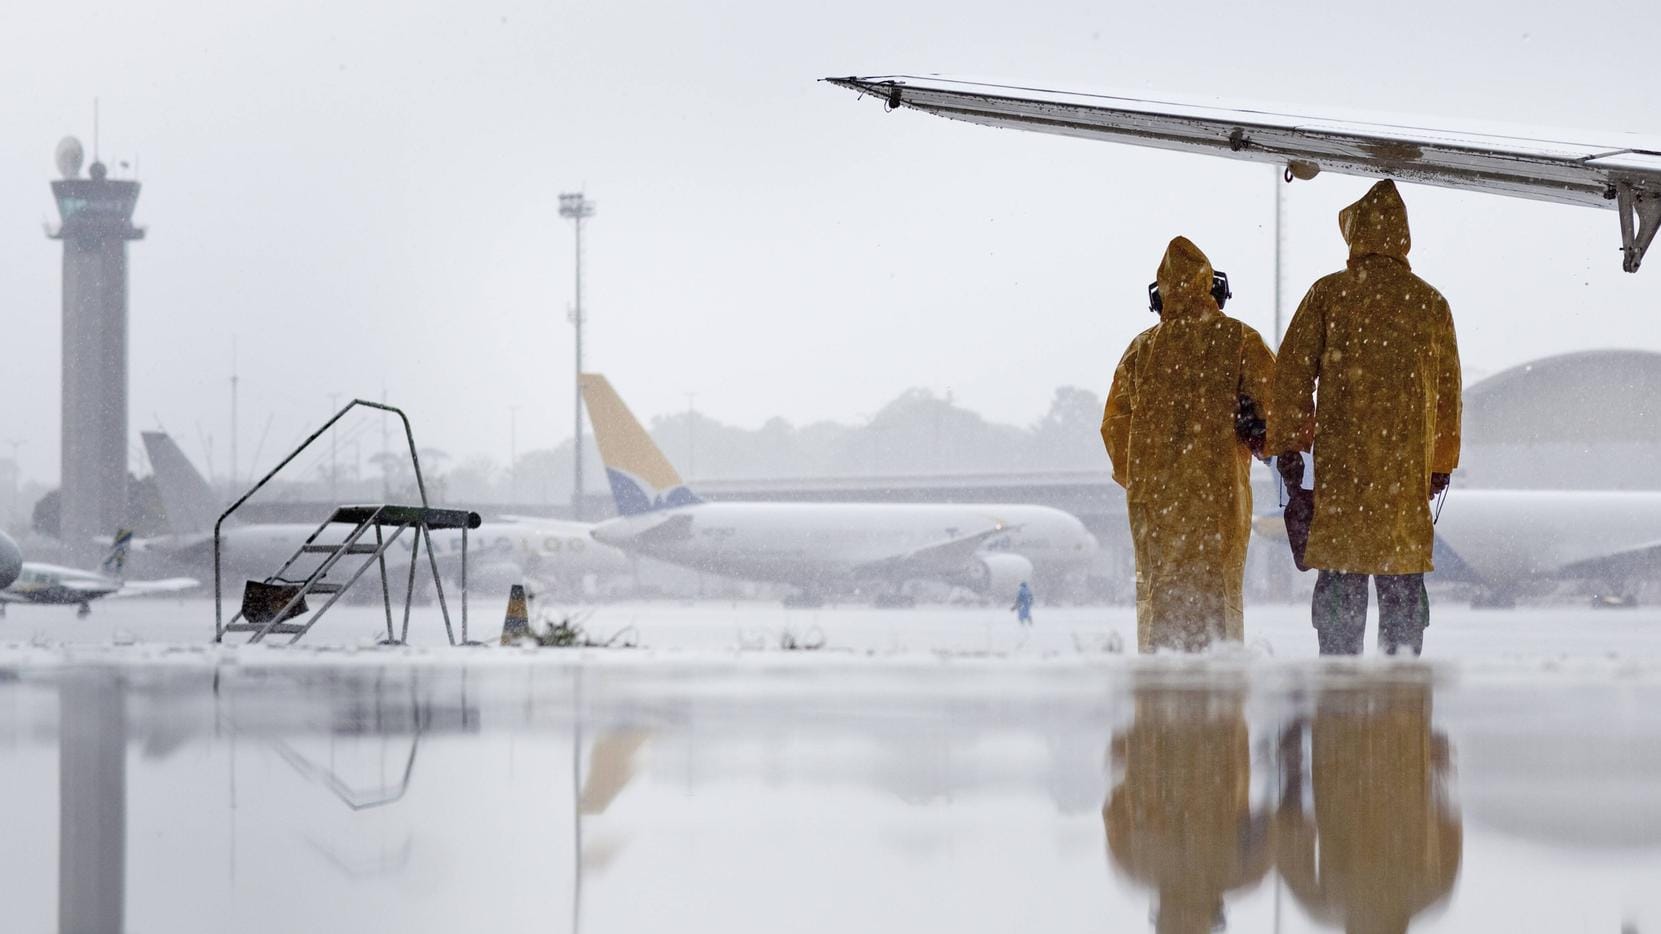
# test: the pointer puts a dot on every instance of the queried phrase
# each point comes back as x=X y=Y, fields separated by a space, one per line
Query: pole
x=691 y=437
x=513 y=453
x=233 y=416
x=577 y=389
x=578 y=208
x=334 y=448
x=1280 y=240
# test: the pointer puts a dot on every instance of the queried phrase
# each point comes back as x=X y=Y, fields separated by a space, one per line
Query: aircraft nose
x=11 y=560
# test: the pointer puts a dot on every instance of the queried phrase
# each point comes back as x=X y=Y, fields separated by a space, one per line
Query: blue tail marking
x=634 y=497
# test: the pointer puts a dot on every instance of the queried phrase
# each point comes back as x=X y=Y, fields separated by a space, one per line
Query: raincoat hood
x=1185 y=280
x=1377 y=224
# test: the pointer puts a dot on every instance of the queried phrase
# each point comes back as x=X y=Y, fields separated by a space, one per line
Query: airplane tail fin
x=115 y=563
x=189 y=501
x=642 y=479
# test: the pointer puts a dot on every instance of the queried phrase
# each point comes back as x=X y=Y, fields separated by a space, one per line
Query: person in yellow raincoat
x=1172 y=427
x=1179 y=819
x=1379 y=344
x=1383 y=839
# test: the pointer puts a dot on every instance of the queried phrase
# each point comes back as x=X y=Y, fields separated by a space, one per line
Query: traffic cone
x=517 y=624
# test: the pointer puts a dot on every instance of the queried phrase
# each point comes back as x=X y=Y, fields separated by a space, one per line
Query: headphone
x=1219 y=291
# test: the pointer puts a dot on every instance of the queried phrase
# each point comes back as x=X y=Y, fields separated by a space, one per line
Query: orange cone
x=517 y=624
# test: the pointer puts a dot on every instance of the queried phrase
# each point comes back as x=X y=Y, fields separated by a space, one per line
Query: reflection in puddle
x=517 y=794
x=1180 y=819
x=1381 y=839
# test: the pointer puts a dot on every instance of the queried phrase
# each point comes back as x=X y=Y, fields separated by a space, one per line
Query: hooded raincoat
x=1379 y=343
x=1170 y=431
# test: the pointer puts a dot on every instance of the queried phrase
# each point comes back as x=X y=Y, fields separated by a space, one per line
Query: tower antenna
x=234 y=381
x=95 y=129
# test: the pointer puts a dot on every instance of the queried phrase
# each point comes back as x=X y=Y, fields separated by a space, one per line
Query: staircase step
x=358 y=549
x=326 y=587
x=286 y=629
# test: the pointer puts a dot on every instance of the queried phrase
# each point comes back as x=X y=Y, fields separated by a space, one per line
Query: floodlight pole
x=577 y=208
x=1280 y=239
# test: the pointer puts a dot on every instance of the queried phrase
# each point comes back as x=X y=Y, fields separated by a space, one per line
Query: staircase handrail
x=415 y=461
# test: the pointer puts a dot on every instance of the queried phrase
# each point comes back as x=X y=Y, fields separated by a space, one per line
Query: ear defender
x=1219 y=288
x=1219 y=291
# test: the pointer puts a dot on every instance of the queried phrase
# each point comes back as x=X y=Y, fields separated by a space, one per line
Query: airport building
x=1577 y=421
x=96 y=224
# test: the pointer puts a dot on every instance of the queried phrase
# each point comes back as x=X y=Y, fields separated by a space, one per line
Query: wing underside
x=1640 y=563
x=1624 y=174
x=945 y=558
x=166 y=585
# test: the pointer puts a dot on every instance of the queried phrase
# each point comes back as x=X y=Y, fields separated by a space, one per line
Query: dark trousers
x=1340 y=612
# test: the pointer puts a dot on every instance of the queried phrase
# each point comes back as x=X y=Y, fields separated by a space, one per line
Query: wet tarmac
x=923 y=771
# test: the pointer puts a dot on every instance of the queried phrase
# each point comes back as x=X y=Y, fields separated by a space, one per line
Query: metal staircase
x=271 y=606
x=276 y=605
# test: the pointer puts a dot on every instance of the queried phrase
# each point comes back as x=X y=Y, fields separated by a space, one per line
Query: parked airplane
x=1511 y=543
x=553 y=551
x=820 y=546
x=1620 y=171
x=55 y=585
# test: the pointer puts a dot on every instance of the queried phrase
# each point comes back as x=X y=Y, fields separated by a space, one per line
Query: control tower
x=97 y=215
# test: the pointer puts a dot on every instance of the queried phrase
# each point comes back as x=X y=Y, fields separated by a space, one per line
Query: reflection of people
x=1179 y=819
x=1173 y=429
x=1380 y=343
x=1023 y=604
x=1384 y=839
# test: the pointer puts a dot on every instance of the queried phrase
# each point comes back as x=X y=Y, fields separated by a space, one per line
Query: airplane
x=500 y=551
x=1513 y=543
x=1622 y=172
x=56 y=585
x=817 y=547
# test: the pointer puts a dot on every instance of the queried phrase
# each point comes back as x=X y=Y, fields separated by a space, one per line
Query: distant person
x=1185 y=413
x=1378 y=343
x=1023 y=604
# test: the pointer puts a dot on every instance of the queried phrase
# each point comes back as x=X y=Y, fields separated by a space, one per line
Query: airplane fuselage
x=1507 y=537
x=818 y=545
x=534 y=546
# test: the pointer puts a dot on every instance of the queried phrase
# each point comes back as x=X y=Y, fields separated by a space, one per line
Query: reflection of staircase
x=275 y=605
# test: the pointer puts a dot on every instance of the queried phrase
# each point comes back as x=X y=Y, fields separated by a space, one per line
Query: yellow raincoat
x=1180 y=820
x=1384 y=840
x=1380 y=343
x=1169 y=429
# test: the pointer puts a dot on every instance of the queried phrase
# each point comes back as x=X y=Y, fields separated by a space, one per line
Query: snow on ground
x=1457 y=633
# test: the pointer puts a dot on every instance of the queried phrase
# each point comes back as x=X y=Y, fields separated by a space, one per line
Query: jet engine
x=1000 y=573
x=11 y=560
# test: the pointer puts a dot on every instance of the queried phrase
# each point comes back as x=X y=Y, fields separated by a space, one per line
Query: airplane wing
x=147 y=588
x=1622 y=172
x=93 y=587
x=1640 y=562
x=676 y=528
x=944 y=557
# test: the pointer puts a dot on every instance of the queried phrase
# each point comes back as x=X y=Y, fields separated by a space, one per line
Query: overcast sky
x=364 y=195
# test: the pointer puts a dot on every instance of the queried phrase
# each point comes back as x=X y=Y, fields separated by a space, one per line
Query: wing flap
x=1642 y=561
